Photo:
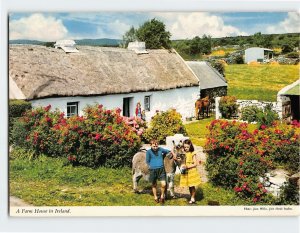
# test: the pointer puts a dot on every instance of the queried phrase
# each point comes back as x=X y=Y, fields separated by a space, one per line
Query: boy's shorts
x=157 y=174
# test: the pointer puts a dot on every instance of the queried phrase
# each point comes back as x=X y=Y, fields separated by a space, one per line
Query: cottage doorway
x=295 y=107
x=127 y=106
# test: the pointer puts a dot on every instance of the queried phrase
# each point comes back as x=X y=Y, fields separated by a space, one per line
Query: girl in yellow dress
x=189 y=174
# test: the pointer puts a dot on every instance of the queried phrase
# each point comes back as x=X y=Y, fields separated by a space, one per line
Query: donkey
x=140 y=168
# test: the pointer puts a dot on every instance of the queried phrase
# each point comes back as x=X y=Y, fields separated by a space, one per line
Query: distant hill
x=91 y=42
x=35 y=42
x=99 y=42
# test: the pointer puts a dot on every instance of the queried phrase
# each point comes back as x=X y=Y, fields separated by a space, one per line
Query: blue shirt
x=156 y=159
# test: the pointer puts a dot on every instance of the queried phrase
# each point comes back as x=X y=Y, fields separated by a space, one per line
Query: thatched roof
x=207 y=75
x=41 y=72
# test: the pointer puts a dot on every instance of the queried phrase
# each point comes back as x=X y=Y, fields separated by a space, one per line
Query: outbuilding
x=212 y=83
x=257 y=54
x=289 y=100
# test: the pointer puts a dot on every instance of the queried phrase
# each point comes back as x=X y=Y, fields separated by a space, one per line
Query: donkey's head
x=179 y=152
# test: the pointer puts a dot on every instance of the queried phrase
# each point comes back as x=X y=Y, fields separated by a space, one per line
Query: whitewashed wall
x=182 y=99
x=252 y=54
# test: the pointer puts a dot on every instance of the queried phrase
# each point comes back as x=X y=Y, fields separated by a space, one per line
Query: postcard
x=153 y=114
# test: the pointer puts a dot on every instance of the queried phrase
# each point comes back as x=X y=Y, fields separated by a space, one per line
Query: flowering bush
x=100 y=137
x=228 y=106
x=238 y=157
x=164 y=124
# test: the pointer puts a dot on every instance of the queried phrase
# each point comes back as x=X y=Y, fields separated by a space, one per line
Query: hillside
x=260 y=82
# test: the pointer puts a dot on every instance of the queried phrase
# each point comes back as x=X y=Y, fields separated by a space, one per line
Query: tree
x=286 y=48
x=205 y=44
x=154 y=34
x=129 y=36
x=195 y=45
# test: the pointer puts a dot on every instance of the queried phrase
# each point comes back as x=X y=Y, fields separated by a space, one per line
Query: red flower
x=97 y=137
x=118 y=110
x=47 y=108
x=263 y=127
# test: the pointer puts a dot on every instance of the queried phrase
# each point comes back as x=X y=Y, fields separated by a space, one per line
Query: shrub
x=164 y=124
x=289 y=194
x=267 y=116
x=238 y=59
x=237 y=157
x=292 y=55
x=219 y=66
x=250 y=113
x=16 y=109
x=286 y=48
x=228 y=106
x=100 y=137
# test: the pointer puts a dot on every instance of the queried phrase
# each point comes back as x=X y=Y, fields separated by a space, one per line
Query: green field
x=261 y=82
x=49 y=182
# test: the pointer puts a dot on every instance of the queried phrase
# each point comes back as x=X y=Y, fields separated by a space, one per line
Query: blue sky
x=182 y=25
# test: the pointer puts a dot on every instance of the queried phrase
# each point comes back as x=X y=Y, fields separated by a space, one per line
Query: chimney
x=138 y=47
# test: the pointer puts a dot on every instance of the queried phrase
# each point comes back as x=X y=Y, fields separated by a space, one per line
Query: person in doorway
x=143 y=115
x=138 y=110
x=190 y=178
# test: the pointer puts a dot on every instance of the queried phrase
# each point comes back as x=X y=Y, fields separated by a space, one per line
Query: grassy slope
x=260 y=82
x=48 y=182
x=197 y=131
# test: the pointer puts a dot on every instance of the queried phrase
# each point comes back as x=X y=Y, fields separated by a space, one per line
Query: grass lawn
x=197 y=131
x=49 y=182
x=261 y=82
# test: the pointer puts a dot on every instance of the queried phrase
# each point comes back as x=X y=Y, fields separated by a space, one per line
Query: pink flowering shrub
x=237 y=157
x=99 y=137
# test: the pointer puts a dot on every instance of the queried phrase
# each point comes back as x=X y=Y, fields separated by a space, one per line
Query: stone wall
x=276 y=106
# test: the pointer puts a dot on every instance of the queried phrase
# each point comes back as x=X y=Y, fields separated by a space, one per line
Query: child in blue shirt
x=155 y=160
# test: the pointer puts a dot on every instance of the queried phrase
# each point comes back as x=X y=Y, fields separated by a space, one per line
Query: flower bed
x=237 y=157
x=99 y=137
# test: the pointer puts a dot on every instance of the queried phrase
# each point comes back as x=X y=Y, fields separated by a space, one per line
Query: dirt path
x=15 y=201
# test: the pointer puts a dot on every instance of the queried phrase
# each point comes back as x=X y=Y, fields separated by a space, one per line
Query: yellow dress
x=192 y=178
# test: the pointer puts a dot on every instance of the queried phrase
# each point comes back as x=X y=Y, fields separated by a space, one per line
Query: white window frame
x=70 y=105
x=147 y=103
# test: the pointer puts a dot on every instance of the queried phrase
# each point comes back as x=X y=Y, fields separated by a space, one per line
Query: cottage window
x=72 y=109
x=147 y=103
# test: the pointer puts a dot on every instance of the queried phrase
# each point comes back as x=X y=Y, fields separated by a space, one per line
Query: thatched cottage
x=115 y=77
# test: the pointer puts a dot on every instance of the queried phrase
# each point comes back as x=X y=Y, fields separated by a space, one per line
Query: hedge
x=237 y=157
x=16 y=109
x=100 y=137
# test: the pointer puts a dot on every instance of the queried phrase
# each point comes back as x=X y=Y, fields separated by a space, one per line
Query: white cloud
x=189 y=25
x=37 y=27
x=288 y=25
x=113 y=30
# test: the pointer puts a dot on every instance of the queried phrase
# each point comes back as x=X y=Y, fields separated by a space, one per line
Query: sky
x=182 y=25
